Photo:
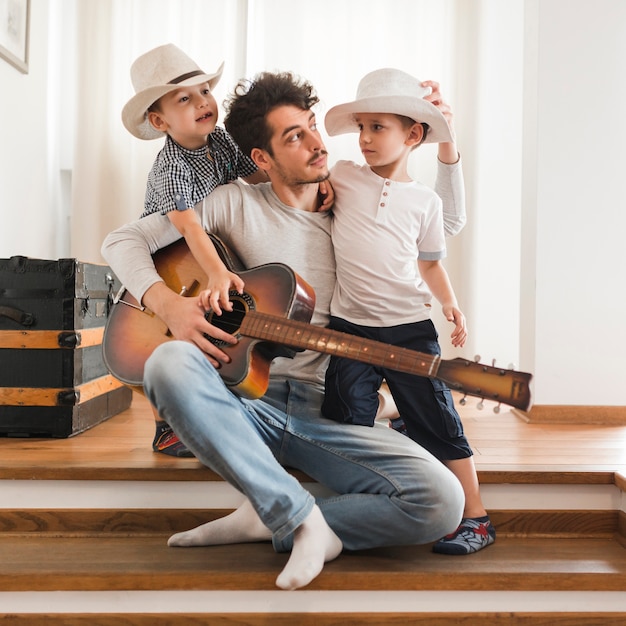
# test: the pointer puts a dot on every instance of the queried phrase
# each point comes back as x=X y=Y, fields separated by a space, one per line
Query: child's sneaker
x=472 y=535
x=166 y=441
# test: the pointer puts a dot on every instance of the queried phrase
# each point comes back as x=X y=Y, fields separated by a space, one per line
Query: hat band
x=182 y=77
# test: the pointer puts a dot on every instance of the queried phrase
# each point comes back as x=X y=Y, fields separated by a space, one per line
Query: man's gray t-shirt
x=258 y=228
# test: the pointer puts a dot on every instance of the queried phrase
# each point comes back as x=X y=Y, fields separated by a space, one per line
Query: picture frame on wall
x=14 y=32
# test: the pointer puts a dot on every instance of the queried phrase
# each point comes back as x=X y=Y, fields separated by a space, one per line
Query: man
x=389 y=490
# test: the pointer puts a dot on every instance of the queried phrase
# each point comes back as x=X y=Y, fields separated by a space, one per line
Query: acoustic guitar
x=270 y=319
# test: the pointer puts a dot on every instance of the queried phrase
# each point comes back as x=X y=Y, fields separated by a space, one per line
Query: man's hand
x=185 y=319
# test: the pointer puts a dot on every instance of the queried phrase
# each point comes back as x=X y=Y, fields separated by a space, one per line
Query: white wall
x=484 y=259
x=29 y=223
x=573 y=260
x=490 y=130
x=111 y=166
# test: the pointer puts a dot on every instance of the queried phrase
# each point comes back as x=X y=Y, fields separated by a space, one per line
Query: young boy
x=173 y=99
x=389 y=241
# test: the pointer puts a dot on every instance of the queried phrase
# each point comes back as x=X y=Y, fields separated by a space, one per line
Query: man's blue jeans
x=390 y=491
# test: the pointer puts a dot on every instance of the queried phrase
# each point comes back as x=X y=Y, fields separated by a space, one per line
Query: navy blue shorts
x=425 y=404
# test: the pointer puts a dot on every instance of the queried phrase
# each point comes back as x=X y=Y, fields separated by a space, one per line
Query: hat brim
x=340 y=118
x=134 y=113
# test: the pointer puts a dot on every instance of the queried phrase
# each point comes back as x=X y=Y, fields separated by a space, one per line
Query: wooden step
x=50 y=550
x=514 y=566
x=559 y=559
x=64 y=563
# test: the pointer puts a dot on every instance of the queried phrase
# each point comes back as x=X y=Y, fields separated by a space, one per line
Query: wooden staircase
x=84 y=524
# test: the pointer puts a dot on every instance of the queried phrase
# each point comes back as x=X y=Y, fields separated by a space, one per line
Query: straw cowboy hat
x=389 y=91
x=154 y=74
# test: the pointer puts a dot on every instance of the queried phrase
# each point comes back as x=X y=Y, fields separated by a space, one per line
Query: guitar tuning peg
x=463 y=401
x=511 y=366
x=496 y=409
x=476 y=358
x=481 y=405
x=493 y=362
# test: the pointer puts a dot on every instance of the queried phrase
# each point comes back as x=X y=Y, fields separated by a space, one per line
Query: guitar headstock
x=501 y=385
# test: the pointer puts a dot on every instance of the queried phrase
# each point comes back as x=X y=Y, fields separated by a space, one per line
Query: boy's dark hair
x=407 y=122
x=251 y=101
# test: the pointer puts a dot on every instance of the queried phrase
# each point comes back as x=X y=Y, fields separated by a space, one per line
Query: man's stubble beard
x=295 y=182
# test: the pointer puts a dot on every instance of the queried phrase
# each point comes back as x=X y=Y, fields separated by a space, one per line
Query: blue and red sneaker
x=472 y=535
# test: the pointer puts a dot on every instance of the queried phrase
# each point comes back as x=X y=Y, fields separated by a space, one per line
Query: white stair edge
x=110 y=494
x=386 y=601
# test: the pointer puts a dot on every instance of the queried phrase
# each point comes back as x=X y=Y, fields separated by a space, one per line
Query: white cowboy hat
x=154 y=74
x=389 y=91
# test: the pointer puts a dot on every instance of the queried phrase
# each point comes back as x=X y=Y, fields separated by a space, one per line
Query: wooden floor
x=120 y=448
x=552 y=490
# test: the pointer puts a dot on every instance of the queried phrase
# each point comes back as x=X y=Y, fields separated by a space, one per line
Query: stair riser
x=314 y=608
x=201 y=494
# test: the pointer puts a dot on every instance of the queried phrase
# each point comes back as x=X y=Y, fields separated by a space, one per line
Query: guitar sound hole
x=230 y=321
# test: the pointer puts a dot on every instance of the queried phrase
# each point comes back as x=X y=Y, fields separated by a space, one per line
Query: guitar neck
x=465 y=376
x=304 y=336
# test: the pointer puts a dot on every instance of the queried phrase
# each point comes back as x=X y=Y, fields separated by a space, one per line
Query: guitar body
x=132 y=333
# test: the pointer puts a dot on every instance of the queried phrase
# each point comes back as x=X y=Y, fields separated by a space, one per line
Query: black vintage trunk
x=53 y=381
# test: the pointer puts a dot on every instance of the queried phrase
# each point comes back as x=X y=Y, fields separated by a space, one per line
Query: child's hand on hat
x=437 y=100
x=448 y=152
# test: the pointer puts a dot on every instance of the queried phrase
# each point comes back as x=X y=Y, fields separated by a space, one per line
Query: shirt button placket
x=382 y=202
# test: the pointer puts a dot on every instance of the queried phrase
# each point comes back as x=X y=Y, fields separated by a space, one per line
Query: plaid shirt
x=181 y=178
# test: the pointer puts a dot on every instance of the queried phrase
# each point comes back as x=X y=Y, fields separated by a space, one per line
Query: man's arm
x=128 y=250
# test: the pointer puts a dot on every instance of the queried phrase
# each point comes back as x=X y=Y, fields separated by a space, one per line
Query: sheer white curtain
x=473 y=48
x=332 y=43
x=110 y=165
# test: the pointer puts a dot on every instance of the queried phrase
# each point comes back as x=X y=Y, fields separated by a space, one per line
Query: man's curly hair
x=251 y=101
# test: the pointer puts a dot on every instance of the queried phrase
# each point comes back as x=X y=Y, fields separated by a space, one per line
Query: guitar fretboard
x=307 y=337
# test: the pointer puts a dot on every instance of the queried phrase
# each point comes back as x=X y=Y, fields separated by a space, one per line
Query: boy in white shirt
x=388 y=237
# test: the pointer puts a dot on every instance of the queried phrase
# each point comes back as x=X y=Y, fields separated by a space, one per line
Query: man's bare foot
x=241 y=526
x=314 y=544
